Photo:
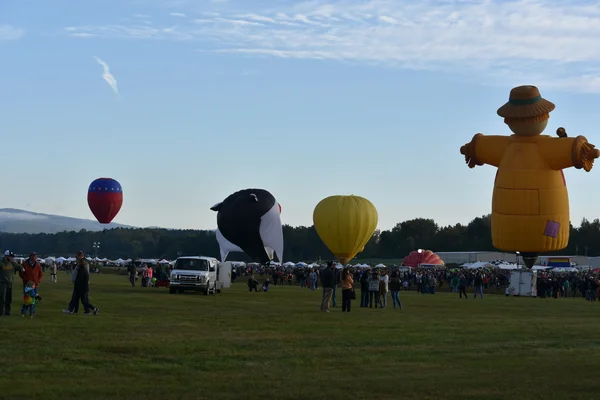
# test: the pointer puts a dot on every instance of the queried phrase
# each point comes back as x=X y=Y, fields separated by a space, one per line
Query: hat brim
x=542 y=107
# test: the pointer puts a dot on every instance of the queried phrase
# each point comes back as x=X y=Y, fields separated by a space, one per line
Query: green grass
x=148 y=344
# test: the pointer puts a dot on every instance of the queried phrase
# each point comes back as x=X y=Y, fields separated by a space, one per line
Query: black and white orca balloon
x=249 y=221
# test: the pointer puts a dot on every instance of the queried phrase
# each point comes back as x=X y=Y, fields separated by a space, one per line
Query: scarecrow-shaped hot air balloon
x=414 y=258
x=345 y=224
x=105 y=198
x=250 y=221
x=530 y=204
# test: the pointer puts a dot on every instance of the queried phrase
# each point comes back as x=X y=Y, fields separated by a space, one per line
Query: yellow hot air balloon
x=345 y=224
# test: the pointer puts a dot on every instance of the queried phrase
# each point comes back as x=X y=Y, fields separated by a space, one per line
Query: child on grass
x=265 y=286
x=30 y=297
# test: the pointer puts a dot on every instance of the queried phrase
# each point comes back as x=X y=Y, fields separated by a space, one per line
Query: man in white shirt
x=385 y=279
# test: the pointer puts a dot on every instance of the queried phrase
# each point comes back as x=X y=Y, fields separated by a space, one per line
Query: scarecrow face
x=527 y=128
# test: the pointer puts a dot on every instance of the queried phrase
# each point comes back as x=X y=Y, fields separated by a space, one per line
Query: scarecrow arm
x=561 y=153
x=484 y=150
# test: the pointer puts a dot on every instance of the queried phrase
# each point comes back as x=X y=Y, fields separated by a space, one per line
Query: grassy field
x=148 y=344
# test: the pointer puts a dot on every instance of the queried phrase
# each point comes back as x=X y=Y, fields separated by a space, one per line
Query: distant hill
x=21 y=221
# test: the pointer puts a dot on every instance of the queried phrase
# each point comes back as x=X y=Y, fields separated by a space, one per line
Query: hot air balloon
x=530 y=202
x=105 y=198
x=250 y=221
x=345 y=224
x=422 y=257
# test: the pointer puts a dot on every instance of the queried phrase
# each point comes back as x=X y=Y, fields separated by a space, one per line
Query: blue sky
x=304 y=99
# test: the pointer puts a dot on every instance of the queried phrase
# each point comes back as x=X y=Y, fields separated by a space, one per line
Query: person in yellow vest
x=530 y=204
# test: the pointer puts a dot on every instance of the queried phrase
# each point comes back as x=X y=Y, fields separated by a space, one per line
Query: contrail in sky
x=107 y=76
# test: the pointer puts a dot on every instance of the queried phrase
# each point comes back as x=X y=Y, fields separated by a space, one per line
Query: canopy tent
x=380 y=266
x=289 y=264
x=477 y=265
x=301 y=264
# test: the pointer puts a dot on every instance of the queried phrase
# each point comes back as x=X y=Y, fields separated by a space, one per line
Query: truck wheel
x=205 y=291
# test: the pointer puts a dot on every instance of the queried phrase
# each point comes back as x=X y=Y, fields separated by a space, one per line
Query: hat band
x=525 y=102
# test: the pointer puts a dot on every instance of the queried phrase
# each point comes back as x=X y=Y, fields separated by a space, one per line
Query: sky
x=185 y=102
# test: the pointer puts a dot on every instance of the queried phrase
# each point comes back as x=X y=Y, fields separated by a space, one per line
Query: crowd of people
x=31 y=273
x=374 y=283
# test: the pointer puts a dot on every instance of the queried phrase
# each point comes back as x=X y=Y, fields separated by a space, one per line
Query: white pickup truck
x=200 y=274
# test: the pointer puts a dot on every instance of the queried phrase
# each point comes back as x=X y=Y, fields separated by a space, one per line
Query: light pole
x=518 y=254
x=96 y=247
x=420 y=251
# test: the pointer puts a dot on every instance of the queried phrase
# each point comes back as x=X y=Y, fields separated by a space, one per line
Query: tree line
x=301 y=243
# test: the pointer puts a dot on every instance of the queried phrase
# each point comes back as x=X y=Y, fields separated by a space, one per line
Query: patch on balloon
x=552 y=228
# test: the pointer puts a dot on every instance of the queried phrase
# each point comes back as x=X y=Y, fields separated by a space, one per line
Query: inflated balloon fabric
x=250 y=220
x=105 y=198
x=345 y=224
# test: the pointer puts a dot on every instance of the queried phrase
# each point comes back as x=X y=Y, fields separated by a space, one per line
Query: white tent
x=60 y=260
x=477 y=265
x=289 y=264
x=163 y=261
x=380 y=266
x=301 y=264
x=119 y=261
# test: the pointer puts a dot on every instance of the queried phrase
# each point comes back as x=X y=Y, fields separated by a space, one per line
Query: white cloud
x=177 y=14
x=551 y=43
x=8 y=32
x=107 y=76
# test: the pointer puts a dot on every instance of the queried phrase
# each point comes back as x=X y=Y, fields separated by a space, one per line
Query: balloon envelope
x=414 y=258
x=105 y=198
x=250 y=220
x=345 y=224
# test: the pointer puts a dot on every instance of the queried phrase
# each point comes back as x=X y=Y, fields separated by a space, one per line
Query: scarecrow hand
x=468 y=150
x=585 y=154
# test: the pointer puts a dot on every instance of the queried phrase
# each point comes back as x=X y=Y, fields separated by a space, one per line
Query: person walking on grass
x=462 y=287
x=364 y=288
x=347 y=290
x=395 y=285
x=478 y=286
x=53 y=276
x=32 y=271
x=383 y=288
x=30 y=299
x=132 y=270
x=327 y=281
x=336 y=282
x=373 y=289
x=81 y=287
x=8 y=268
